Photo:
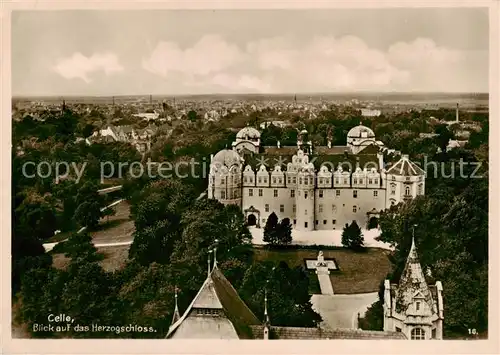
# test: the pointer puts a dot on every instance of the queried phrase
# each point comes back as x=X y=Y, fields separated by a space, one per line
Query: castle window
x=334 y=208
x=337 y=181
x=294 y=221
x=245 y=179
x=274 y=180
x=280 y=181
x=393 y=189
x=300 y=180
x=265 y=180
x=370 y=181
x=292 y=193
x=355 y=181
x=267 y=207
x=223 y=195
x=393 y=178
x=321 y=180
x=282 y=208
x=260 y=180
x=324 y=221
x=305 y=194
x=320 y=193
x=250 y=192
x=417 y=334
x=222 y=180
x=345 y=181
x=320 y=207
x=407 y=178
x=375 y=193
x=355 y=193
x=275 y=193
x=354 y=209
x=361 y=181
x=305 y=224
x=407 y=190
x=294 y=180
x=398 y=329
x=260 y=192
x=334 y=221
x=289 y=179
x=376 y=181
x=337 y=193
x=305 y=212
x=417 y=306
x=294 y=208
x=317 y=222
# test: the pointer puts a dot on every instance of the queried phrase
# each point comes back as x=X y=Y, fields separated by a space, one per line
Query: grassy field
x=358 y=272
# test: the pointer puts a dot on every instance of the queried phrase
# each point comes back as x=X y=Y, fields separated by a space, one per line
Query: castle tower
x=304 y=198
x=404 y=180
x=413 y=307
x=224 y=181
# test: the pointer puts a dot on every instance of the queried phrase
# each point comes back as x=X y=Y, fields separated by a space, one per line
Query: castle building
x=317 y=188
x=412 y=307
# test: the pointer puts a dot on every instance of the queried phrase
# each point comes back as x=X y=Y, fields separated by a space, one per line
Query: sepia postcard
x=184 y=173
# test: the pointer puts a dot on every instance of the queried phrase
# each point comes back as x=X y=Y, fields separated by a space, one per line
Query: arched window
x=407 y=190
x=417 y=334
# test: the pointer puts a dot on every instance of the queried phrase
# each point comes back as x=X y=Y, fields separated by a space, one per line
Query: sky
x=174 y=52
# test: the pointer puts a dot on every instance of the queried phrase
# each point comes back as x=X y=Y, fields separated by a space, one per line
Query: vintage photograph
x=250 y=174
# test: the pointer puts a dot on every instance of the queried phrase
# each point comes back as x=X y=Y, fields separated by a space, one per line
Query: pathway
x=341 y=311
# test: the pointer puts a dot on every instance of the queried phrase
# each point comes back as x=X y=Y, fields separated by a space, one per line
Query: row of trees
x=174 y=231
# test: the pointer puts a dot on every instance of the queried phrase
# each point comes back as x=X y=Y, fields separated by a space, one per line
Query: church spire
x=412 y=279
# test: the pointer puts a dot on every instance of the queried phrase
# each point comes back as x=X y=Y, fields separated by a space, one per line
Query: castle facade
x=317 y=188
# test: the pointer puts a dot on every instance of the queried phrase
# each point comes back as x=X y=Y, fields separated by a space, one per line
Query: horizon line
x=263 y=94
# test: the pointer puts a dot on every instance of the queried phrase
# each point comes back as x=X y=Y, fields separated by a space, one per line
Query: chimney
x=456 y=114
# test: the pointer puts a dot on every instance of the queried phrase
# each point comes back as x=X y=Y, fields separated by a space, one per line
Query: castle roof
x=227 y=157
x=360 y=131
x=405 y=167
x=248 y=132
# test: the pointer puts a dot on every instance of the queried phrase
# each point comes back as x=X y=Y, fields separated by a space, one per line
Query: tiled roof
x=299 y=333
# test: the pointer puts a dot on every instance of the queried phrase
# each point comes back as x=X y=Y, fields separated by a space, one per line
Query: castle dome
x=227 y=157
x=360 y=132
x=248 y=133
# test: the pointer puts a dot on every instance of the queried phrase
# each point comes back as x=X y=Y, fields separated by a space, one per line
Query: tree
x=352 y=237
x=192 y=115
x=270 y=229
x=88 y=214
x=284 y=232
x=287 y=292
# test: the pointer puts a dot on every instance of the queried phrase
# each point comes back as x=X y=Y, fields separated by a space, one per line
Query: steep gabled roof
x=232 y=320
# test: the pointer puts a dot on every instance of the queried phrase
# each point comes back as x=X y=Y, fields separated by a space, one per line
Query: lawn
x=115 y=258
x=359 y=272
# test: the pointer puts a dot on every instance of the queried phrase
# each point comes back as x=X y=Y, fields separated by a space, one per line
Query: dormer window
x=417 y=305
